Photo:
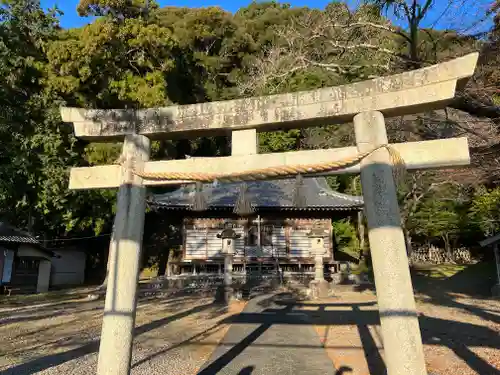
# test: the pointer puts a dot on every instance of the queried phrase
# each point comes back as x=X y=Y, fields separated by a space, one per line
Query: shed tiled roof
x=14 y=236
x=270 y=194
x=11 y=234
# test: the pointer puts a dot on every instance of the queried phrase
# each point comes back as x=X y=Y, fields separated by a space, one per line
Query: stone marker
x=228 y=237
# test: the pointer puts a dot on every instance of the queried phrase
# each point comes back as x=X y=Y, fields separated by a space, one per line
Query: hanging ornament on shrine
x=199 y=202
x=243 y=205
x=299 y=192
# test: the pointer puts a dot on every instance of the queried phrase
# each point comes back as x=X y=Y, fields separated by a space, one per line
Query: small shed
x=494 y=241
x=68 y=269
x=24 y=263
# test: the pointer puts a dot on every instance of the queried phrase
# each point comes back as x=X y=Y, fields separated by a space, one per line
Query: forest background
x=136 y=54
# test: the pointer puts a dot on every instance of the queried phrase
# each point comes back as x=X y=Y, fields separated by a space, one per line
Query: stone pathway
x=269 y=338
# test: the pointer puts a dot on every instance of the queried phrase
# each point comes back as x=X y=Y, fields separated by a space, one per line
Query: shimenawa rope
x=397 y=163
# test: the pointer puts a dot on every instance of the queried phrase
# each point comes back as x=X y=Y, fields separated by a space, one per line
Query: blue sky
x=445 y=13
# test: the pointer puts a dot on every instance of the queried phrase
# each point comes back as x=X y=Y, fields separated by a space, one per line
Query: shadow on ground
x=247 y=370
x=174 y=306
x=49 y=361
x=474 y=281
x=459 y=337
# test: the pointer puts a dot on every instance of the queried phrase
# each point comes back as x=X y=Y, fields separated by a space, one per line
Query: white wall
x=69 y=269
x=300 y=244
x=43 y=282
x=196 y=243
x=27 y=250
x=203 y=242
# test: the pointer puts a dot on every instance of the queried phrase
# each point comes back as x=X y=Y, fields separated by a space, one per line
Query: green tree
x=427 y=46
x=115 y=8
x=441 y=220
x=346 y=236
x=485 y=210
x=110 y=65
x=413 y=12
x=35 y=149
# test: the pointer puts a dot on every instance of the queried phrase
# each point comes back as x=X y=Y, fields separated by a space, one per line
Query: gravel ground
x=181 y=335
x=63 y=338
x=461 y=334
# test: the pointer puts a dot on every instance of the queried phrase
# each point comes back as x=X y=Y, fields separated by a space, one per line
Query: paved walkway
x=269 y=338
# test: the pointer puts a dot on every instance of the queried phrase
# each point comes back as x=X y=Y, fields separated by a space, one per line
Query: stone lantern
x=228 y=237
x=319 y=285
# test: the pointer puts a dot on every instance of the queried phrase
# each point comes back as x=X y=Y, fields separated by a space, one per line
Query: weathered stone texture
x=451 y=152
x=125 y=252
x=427 y=88
x=398 y=316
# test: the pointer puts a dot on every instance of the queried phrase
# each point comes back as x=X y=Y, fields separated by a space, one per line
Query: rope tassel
x=299 y=194
x=199 y=202
x=243 y=205
x=398 y=165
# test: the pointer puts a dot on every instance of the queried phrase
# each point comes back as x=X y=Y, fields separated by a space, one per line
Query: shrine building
x=273 y=232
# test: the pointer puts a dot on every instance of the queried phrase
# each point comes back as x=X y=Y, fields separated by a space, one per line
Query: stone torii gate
x=365 y=103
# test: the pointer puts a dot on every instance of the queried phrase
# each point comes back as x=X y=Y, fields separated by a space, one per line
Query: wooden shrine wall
x=285 y=238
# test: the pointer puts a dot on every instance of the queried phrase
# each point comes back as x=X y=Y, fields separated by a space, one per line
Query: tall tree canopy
x=116 y=8
x=136 y=54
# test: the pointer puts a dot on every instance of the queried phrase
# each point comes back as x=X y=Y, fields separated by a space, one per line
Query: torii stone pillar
x=115 y=351
x=400 y=329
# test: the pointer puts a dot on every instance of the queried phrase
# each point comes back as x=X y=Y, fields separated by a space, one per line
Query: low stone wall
x=244 y=286
x=210 y=281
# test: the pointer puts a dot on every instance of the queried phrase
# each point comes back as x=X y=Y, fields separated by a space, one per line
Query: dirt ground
x=459 y=340
x=459 y=321
x=62 y=338
x=176 y=335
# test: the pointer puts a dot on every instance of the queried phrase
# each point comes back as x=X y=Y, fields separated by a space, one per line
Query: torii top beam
x=410 y=92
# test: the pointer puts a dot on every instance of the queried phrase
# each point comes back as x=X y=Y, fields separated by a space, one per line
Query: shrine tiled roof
x=270 y=194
